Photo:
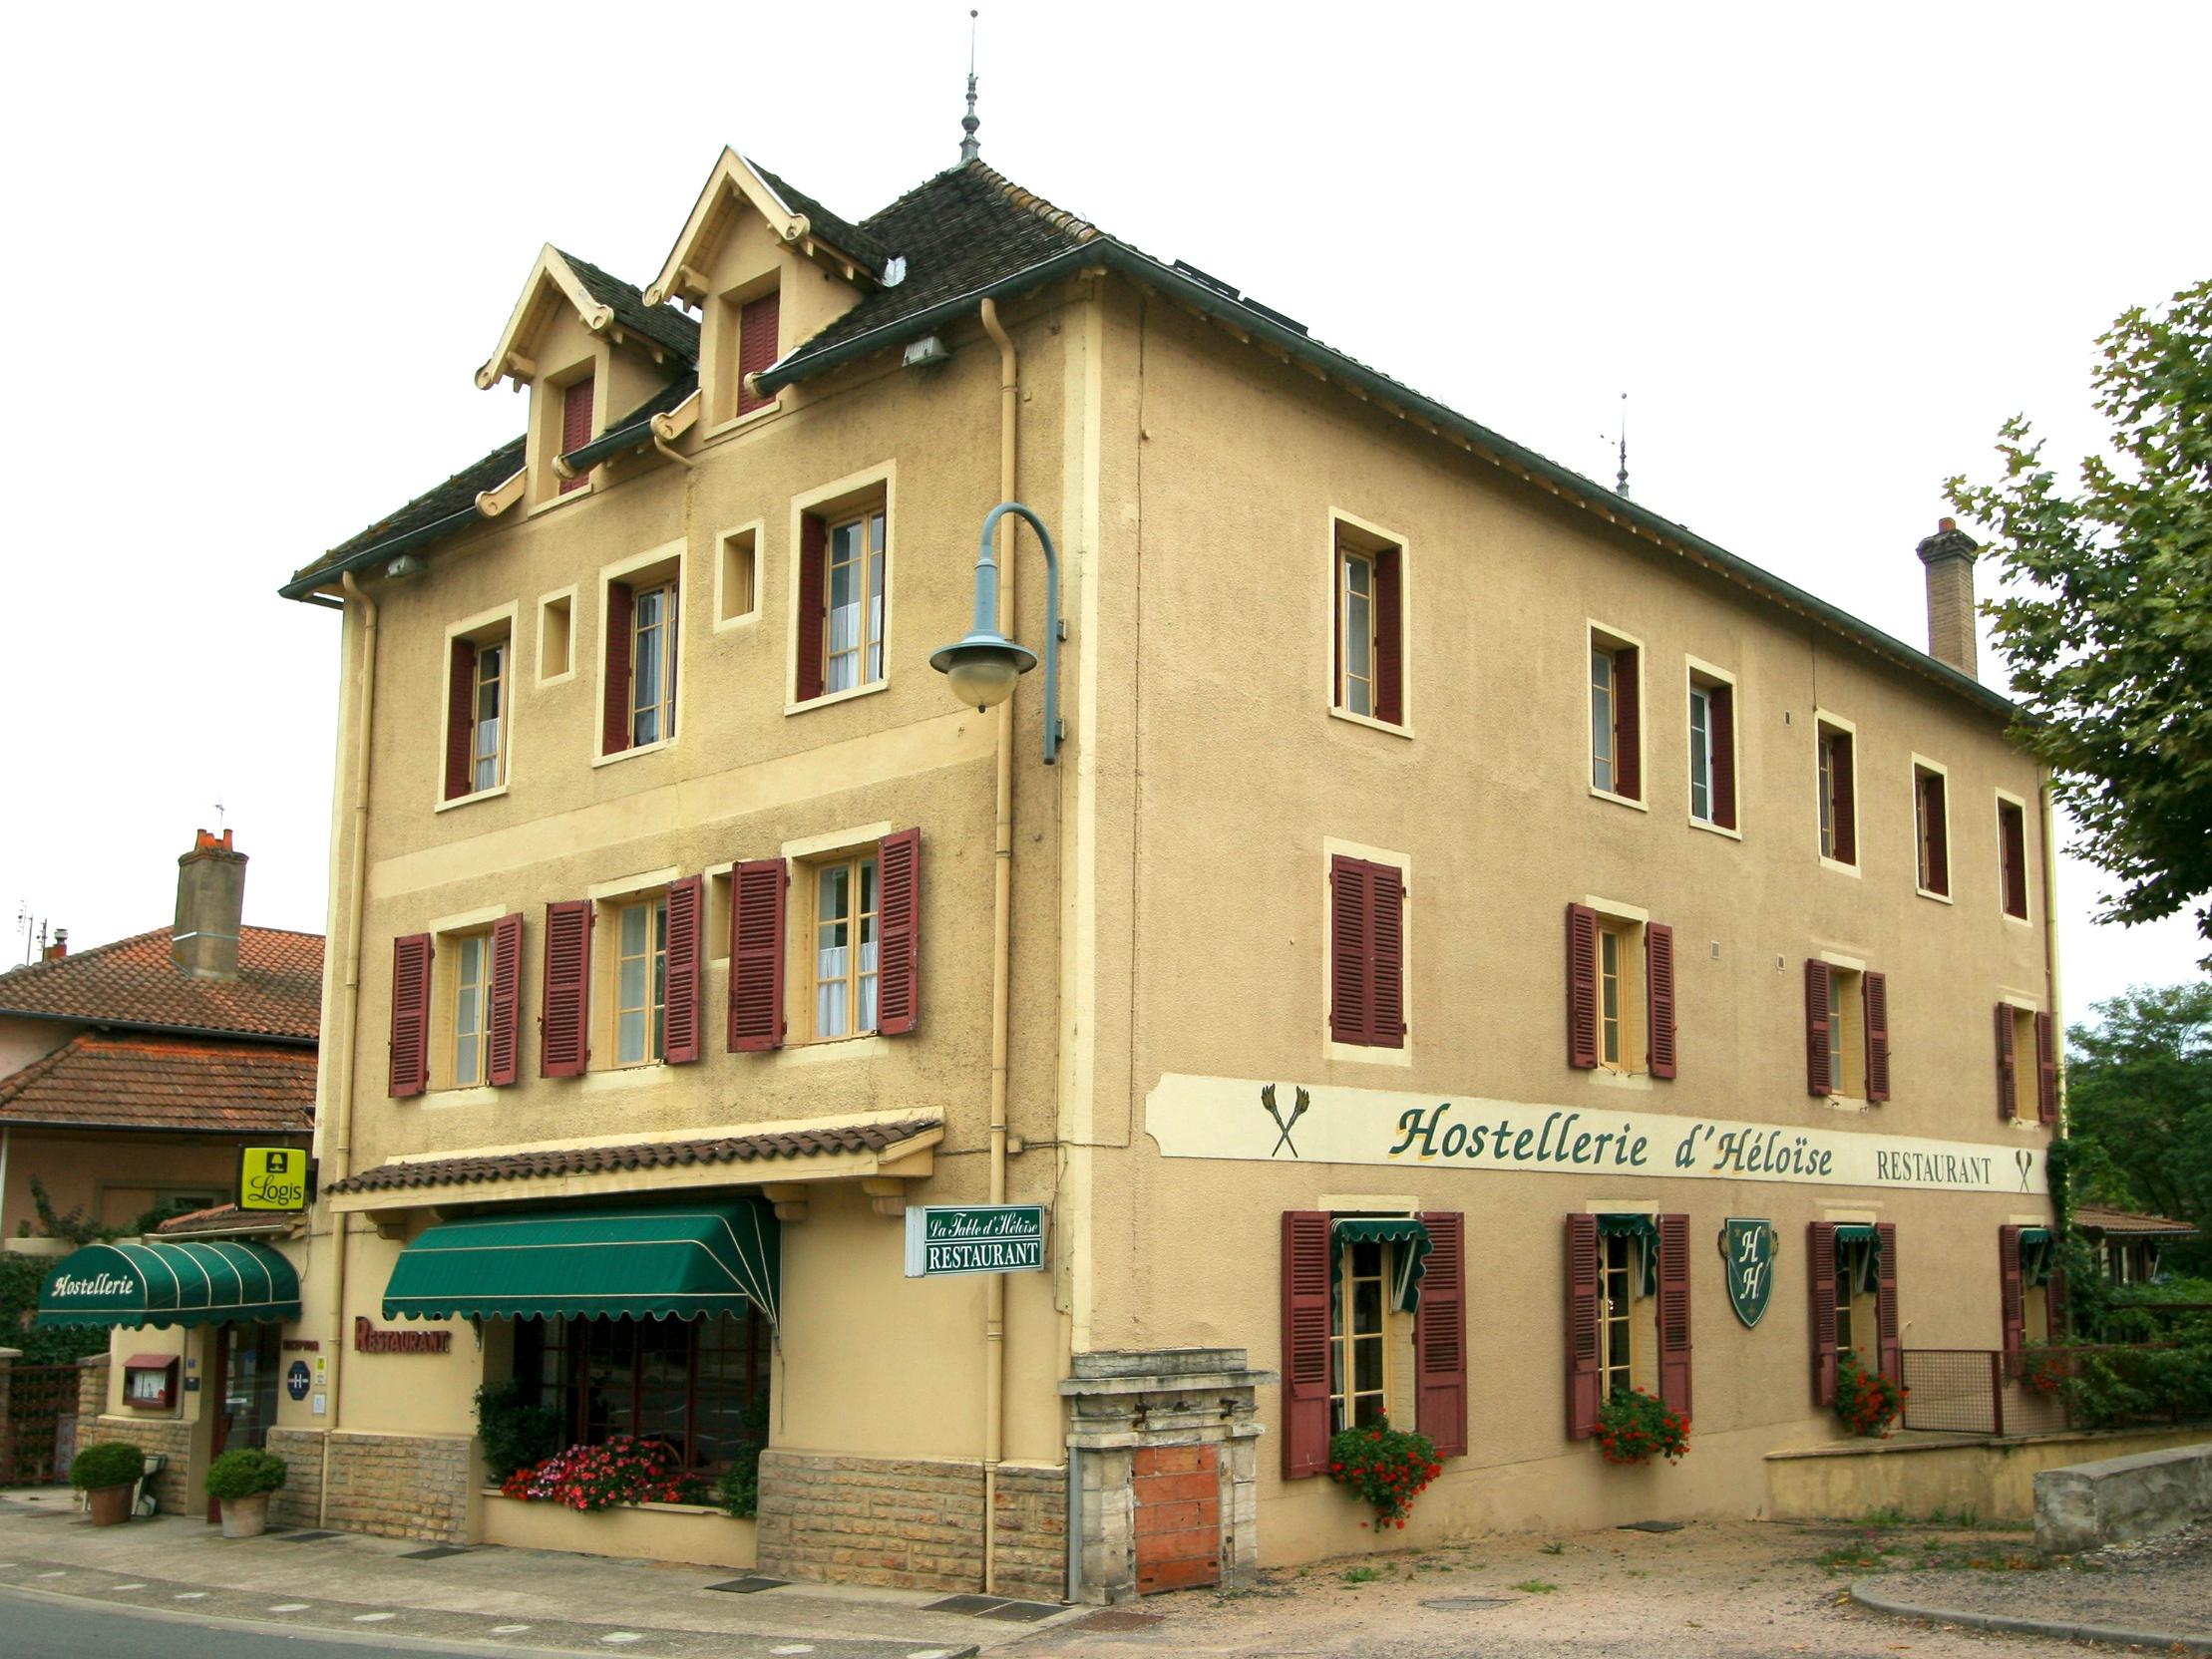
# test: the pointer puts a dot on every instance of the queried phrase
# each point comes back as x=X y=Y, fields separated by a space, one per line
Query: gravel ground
x=1708 y=1592
x=2162 y=1584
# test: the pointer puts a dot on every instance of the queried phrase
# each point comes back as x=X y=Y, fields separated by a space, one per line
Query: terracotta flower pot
x=245 y=1518
x=110 y=1505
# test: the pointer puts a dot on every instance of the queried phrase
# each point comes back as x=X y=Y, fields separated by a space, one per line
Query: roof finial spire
x=970 y=149
x=1620 y=481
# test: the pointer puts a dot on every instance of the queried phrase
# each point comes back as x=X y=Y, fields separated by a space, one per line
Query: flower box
x=687 y=1533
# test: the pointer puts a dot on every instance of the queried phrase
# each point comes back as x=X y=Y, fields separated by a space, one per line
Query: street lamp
x=984 y=665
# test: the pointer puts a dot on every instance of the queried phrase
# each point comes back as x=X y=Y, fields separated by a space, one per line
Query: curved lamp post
x=985 y=666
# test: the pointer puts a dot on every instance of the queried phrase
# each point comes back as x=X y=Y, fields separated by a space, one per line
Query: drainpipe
x=1002 y=892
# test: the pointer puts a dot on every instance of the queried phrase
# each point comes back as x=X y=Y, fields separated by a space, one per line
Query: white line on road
x=120 y=1587
x=290 y=1607
x=509 y=1629
x=622 y=1636
x=794 y=1647
x=189 y=1596
x=373 y=1618
x=58 y=1572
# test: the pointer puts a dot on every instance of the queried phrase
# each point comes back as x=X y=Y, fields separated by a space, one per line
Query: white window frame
x=1367 y=530
x=1915 y=766
x=469 y=627
x=1700 y=675
x=1829 y=720
x=619 y=570
x=883 y=479
x=1604 y=636
x=2027 y=885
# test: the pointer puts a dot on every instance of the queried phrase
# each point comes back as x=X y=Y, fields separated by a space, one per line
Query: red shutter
x=2046 y=1069
x=1721 y=735
x=1351 y=926
x=459 y=718
x=1386 y=963
x=1440 y=1336
x=564 y=1028
x=1938 y=835
x=757 y=955
x=410 y=1071
x=814 y=601
x=1389 y=663
x=505 y=1028
x=2006 y=1078
x=1818 y=1080
x=1843 y=799
x=576 y=426
x=1628 y=725
x=899 y=930
x=1874 y=990
x=1659 y=987
x=2012 y=832
x=1582 y=986
x=1582 y=1327
x=758 y=327
x=1305 y=1251
x=1673 y=1312
x=614 y=721
x=1820 y=1281
x=686 y=969
x=2012 y=1298
x=1885 y=1304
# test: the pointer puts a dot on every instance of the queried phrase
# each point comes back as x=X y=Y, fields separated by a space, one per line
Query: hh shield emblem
x=1747 y=1250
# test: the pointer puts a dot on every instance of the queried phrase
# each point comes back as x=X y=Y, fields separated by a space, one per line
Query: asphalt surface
x=32 y=1627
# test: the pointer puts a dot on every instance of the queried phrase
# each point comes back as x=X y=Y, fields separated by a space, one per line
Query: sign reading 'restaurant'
x=1231 y=1117
x=368 y=1339
x=945 y=1239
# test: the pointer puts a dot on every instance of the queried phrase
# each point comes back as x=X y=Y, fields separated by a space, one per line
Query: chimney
x=210 y=899
x=59 y=948
x=1949 y=557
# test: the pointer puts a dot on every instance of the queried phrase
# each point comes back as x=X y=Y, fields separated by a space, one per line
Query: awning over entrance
x=1412 y=1260
x=184 y=1282
x=675 y=1261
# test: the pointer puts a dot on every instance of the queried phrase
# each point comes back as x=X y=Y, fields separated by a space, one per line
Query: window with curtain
x=693 y=1384
x=1358 y=1370
x=652 y=665
x=846 y=947
x=641 y=982
x=472 y=983
x=855 y=576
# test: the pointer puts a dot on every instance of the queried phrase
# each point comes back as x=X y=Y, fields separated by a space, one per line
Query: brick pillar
x=1949 y=557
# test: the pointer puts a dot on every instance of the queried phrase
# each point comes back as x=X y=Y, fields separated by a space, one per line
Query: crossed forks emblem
x=1285 y=1125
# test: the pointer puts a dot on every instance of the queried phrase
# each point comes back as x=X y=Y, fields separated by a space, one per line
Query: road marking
x=59 y=1573
x=189 y=1596
x=372 y=1618
x=794 y=1647
x=127 y=1586
x=290 y=1607
x=622 y=1636
x=509 y=1629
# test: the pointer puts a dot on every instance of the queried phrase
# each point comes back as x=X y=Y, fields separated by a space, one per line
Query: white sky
x=259 y=251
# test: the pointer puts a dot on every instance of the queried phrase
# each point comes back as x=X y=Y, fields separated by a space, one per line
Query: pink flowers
x=621 y=1470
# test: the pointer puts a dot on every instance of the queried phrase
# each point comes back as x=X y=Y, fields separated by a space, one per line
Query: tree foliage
x=2107 y=625
x=2139 y=1109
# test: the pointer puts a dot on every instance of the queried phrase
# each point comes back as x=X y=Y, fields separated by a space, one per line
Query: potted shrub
x=1635 y=1426
x=242 y=1481
x=106 y=1474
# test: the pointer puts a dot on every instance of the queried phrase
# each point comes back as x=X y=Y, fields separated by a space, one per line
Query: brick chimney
x=211 y=900
x=1949 y=557
x=59 y=948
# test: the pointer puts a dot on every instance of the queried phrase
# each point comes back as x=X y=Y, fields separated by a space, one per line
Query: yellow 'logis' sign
x=272 y=1177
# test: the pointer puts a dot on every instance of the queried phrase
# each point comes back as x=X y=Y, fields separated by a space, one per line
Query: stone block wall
x=911 y=1524
x=172 y=1489
x=298 y=1501
x=399 y=1486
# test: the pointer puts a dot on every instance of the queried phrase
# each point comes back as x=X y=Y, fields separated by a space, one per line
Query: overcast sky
x=259 y=251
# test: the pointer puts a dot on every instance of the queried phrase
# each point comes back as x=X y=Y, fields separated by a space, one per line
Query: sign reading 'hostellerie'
x=948 y=1239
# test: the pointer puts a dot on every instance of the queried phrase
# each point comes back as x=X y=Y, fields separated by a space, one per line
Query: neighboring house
x=131 y=1074
x=2129 y=1244
x=1469 y=921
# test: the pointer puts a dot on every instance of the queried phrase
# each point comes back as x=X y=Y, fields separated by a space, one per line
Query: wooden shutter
x=1673 y=1312
x=564 y=1028
x=1873 y=993
x=757 y=955
x=1386 y=959
x=576 y=426
x=813 y=605
x=614 y=718
x=1885 y=1304
x=899 y=932
x=2011 y=835
x=1351 y=926
x=1820 y=1283
x=1389 y=663
x=1628 y=725
x=758 y=328
x=2006 y=1072
x=1842 y=799
x=504 y=1029
x=1938 y=833
x=1720 y=701
x=1440 y=1336
x=410 y=1070
x=2011 y=1296
x=1305 y=1251
x=1582 y=986
x=1583 y=1376
x=2046 y=1069
x=1659 y=996
x=686 y=970
x=459 y=718
x=1818 y=1077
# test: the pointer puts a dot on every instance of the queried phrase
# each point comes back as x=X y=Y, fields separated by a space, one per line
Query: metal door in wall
x=42 y=1424
x=1177 y=1516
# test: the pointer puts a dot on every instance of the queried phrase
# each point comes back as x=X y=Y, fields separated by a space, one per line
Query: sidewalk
x=520 y=1599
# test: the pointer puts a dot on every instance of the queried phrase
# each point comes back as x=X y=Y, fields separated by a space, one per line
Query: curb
x=2059 y=1628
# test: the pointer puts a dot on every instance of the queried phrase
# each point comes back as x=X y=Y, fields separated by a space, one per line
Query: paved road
x=32 y=1627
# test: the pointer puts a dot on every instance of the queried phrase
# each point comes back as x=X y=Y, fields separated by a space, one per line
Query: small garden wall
x=655 y=1532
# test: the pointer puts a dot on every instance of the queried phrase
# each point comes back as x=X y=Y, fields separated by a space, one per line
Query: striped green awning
x=676 y=1261
x=181 y=1282
x=1411 y=1262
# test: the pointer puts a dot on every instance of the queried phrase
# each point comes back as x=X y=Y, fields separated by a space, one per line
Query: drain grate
x=305 y=1537
x=1650 y=1526
x=1466 y=1603
x=436 y=1552
x=749 y=1587
x=1020 y=1613
x=965 y=1604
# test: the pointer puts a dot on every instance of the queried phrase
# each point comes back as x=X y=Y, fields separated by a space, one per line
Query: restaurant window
x=1847 y=1031
x=700 y=1385
x=1621 y=999
x=1620 y=1288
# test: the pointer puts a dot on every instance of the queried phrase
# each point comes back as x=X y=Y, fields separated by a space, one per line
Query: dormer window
x=575 y=426
x=759 y=328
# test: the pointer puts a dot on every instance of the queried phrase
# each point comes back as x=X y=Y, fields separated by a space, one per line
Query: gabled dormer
x=768 y=267
x=592 y=349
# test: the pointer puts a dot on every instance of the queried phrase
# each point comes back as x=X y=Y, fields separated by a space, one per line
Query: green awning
x=1870 y=1261
x=1645 y=1234
x=184 y=1282
x=1411 y=1263
x=675 y=1261
x=2039 y=1255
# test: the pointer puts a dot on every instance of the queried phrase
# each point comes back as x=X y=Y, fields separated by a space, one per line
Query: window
x=1851 y=1287
x=1712 y=757
x=699 y=1385
x=1616 y=717
x=841 y=618
x=1371 y=616
x=1839 y=806
x=1613 y=1263
x=845 y=947
x=2027 y=1066
x=1621 y=997
x=736 y=577
x=477 y=712
x=472 y=985
x=575 y=426
x=2012 y=856
x=2030 y=1299
x=854 y=942
x=643 y=612
x=1616 y=1324
x=1359 y=1358
x=1611 y=948
x=555 y=636
x=1847 y=1031
x=1366 y=953
x=1931 y=826
x=751 y=330
x=855 y=650
x=641 y=982
x=1852 y=1267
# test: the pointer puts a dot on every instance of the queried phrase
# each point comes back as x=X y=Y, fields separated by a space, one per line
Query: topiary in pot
x=105 y=1473
x=242 y=1481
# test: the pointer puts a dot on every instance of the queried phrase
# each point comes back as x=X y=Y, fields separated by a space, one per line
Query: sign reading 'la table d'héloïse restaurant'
x=947 y=1239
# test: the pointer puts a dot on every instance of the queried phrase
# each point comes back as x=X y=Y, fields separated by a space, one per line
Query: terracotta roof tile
x=655 y=1154
x=133 y=982
x=2116 y=1221
x=166 y=1083
x=226 y=1219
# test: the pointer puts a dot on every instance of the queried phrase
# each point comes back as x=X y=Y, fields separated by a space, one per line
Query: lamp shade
x=983 y=667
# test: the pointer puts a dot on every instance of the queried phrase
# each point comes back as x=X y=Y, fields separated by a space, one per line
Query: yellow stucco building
x=1478 y=946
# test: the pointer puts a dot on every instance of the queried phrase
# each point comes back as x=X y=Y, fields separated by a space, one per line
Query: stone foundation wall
x=172 y=1488
x=911 y=1524
x=397 y=1486
x=298 y=1501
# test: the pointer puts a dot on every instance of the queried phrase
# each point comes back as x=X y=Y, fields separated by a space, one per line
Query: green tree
x=2139 y=1107
x=2107 y=625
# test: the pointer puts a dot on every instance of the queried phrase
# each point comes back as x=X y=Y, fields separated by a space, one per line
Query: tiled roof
x=840 y=233
x=632 y=428
x=2118 y=1222
x=655 y=1154
x=426 y=515
x=662 y=324
x=226 y=1218
x=152 y=1082
x=132 y=982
